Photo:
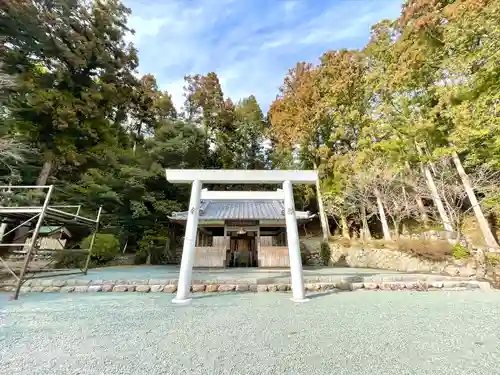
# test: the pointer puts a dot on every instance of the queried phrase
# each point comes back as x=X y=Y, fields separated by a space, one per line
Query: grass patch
x=493 y=259
x=460 y=252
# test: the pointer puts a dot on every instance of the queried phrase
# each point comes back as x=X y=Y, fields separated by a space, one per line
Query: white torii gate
x=230 y=176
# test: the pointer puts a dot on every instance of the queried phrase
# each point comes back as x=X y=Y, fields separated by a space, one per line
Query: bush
x=326 y=253
x=493 y=259
x=460 y=252
x=304 y=254
x=153 y=248
x=106 y=247
x=69 y=260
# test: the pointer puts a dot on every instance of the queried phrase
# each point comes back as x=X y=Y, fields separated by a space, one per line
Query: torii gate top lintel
x=237 y=176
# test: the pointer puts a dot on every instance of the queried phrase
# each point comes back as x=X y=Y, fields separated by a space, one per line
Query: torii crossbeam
x=230 y=176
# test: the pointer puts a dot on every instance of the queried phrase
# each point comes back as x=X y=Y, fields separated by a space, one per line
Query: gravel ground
x=172 y=272
x=342 y=333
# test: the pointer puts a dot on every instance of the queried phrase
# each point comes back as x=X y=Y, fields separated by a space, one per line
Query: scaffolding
x=39 y=216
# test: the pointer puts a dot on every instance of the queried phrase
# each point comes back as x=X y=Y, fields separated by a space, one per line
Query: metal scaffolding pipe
x=87 y=261
x=33 y=241
x=46 y=215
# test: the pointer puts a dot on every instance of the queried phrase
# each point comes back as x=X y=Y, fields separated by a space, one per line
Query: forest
x=405 y=132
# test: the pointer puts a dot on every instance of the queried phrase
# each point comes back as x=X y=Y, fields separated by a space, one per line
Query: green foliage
x=75 y=71
x=325 y=253
x=73 y=113
x=493 y=259
x=106 y=247
x=304 y=254
x=424 y=88
x=460 y=252
x=153 y=248
x=71 y=261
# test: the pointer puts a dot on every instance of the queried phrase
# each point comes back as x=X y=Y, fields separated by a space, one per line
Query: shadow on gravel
x=204 y=295
x=323 y=294
x=214 y=295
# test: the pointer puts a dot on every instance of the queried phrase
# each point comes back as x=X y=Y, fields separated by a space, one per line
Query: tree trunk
x=421 y=209
x=322 y=214
x=396 y=228
x=3 y=227
x=343 y=226
x=45 y=172
x=420 y=203
x=404 y=229
x=125 y=246
x=437 y=199
x=365 y=229
x=395 y=221
x=383 y=218
x=434 y=192
x=481 y=219
x=20 y=233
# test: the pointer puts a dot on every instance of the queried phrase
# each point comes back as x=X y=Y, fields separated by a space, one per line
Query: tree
x=435 y=31
x=250 y=132
x=75 y=70
x=295 y=125
x=205 y=104
x=150 y=108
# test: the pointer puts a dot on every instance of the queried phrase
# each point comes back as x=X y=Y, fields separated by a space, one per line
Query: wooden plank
x=210 y=256
x=273 y=256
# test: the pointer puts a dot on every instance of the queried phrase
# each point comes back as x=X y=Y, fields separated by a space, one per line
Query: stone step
x=83 y=286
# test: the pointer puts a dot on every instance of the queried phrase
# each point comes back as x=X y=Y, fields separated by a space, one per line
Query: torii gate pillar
x=189 y=250
x=292 y=234
x=221 y=176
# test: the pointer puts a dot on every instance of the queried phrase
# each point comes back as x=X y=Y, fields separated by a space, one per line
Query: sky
x=250 y=44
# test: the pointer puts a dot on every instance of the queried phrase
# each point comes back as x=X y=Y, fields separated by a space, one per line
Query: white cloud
x=145 y=27
x=250 y=44
x=176 y=90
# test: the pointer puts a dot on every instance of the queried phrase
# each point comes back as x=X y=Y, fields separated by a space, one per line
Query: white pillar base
x=186 y=301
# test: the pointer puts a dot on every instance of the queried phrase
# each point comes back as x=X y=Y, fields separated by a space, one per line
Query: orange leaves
x=420 y=13
x=291 y=114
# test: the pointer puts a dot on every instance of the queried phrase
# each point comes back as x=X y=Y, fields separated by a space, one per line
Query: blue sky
x=250 y=44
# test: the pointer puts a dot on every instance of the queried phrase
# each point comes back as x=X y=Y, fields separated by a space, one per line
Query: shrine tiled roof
x=242 y=210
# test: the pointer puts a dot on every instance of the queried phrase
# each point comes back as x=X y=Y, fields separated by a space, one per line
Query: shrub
x=69 y=260
x=460 y=252
x=153 y=248
x=326 y=253
x=493 y=259
x=304 y=254
x=106 y=247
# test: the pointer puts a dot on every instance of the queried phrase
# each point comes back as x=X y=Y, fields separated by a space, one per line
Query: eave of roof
x=241 y=210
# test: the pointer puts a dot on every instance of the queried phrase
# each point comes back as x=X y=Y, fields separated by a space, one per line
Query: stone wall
x=122 y=260
x=389 y=259
x=310 y=247
x=396 y=283
x=360 y=256
x=493 y=269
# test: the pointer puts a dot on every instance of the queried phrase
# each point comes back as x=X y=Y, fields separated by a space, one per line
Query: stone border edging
x=84 y=286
